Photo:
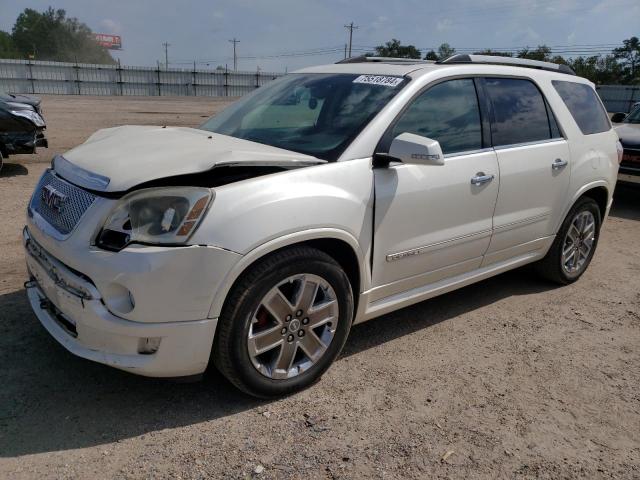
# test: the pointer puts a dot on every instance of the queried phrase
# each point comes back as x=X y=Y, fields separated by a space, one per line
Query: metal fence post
x=119 y=70
x=158 y=73
x=226 y=81
x=77 y=68
x=33 y=87
x=195 y=92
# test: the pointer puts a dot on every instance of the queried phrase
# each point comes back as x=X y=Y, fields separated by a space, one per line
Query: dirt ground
x=508 y=378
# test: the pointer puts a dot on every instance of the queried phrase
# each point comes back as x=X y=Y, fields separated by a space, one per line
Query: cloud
x=444 y=24
x=110 y=26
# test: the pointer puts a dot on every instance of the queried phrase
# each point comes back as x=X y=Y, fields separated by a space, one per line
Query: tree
x=445 y=51
x=494 y=53
x=629 y=56
x=431 y=55
x=542 y=53
x=600 y=70
x=50 y=35
x=7 y=48
x=395 y=49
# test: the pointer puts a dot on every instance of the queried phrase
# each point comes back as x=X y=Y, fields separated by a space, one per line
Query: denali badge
x=53 y=198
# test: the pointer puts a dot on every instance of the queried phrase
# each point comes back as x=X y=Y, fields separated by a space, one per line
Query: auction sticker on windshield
x=379 y=80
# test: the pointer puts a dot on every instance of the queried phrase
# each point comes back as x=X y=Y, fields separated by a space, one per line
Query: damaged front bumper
x=23 y=142
x=72 y=309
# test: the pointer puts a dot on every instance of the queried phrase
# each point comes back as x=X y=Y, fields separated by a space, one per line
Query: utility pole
x=166 y=55
x=235 y=57
x=351 y=28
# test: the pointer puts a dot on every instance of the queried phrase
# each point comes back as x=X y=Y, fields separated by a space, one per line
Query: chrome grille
x=65 y=217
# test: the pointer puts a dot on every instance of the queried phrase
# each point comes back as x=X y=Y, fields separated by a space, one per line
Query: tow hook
x=30 y=284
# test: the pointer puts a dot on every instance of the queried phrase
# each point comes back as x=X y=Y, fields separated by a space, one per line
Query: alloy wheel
x=578 y=242
x=293 y=326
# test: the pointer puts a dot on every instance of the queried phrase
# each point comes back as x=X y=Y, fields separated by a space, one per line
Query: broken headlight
x=157 y=216
x=25 y=110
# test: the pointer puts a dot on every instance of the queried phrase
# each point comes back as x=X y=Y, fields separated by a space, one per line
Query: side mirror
x=416 y=150
x=618 y=117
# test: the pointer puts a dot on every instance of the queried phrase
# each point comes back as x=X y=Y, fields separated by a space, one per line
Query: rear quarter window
x=584 y=105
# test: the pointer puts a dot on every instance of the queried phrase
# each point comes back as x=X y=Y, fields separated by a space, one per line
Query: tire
x=255 y=305
x=1 y=160
x=553 y=266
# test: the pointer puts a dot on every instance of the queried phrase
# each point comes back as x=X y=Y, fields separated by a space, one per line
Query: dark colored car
x=628 y=129
x=21 y=125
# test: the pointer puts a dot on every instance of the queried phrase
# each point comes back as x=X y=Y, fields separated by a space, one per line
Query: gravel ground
x=508 y=378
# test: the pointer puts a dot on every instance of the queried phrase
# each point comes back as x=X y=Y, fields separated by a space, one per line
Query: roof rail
x=365 y=59
x=516 y=62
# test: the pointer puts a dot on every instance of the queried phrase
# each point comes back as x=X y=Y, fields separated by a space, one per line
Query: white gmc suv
x=327 y=198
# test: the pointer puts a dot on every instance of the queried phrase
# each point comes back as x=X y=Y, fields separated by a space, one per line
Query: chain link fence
x=61 y=78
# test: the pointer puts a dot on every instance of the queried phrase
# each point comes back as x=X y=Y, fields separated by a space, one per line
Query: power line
x=578 y=49
x=235 y=56
x=351 y=27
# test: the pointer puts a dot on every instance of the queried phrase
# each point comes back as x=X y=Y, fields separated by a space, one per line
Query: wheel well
x=339 y=250
x=600 y=196
x=342 y=253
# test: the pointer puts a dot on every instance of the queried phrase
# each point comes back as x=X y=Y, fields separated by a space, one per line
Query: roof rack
x=516 y=62
x=397 y=60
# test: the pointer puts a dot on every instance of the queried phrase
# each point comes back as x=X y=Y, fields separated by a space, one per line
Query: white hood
x=130 y=155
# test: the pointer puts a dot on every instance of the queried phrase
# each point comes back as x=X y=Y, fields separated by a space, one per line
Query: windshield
x=314 y=114
x=634 y=116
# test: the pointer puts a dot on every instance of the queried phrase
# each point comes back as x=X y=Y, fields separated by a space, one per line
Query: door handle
x=480 y=178
x=559 y=164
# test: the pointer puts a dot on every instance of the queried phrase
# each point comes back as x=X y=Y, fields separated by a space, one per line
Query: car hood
x=629 y=134
x=118 y=159
x=9 y=97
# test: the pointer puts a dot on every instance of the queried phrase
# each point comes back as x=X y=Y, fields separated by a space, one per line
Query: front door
x=432 y=221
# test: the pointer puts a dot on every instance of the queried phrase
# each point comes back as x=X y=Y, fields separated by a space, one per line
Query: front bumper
x=73 y=310
x=24 y=142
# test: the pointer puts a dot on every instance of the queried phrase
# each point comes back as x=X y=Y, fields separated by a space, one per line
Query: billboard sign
x=111 y=42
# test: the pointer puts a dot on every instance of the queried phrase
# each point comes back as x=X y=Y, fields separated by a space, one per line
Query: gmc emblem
x=53 y=198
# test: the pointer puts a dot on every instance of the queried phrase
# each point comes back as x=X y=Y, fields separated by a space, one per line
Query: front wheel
x=284 y=323
x=574 y=245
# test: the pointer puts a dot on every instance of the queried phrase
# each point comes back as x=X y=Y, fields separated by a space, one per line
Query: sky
x=279 y=35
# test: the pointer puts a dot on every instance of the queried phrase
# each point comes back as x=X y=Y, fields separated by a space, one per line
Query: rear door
x=534 y=159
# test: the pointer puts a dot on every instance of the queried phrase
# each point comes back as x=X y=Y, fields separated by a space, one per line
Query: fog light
x=147 y=346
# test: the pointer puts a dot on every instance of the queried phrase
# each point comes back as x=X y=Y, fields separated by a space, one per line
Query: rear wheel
x=574 y=246
x=284 y=323
x=1 y=160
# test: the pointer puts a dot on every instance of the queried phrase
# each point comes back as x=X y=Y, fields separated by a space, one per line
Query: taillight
x=620 y=151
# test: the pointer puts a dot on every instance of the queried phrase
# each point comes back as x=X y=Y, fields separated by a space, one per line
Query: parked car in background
x=21 y=125
x=326 y=198
x=628 y=129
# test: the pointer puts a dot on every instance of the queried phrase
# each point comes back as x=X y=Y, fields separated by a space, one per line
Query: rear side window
x=519 y=111
x=447 y=112
x=584 y=105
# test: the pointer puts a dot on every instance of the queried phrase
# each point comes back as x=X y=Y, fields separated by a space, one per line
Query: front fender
x=285 y=241
x=255 y=216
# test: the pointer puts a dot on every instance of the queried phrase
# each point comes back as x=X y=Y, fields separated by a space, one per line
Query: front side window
x=314 y=114
x=447 y=112
x=582 y=101
x=519 y=112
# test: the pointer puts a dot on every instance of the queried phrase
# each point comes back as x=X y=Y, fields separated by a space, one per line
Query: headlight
x=26 y=111
x=158 y=216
